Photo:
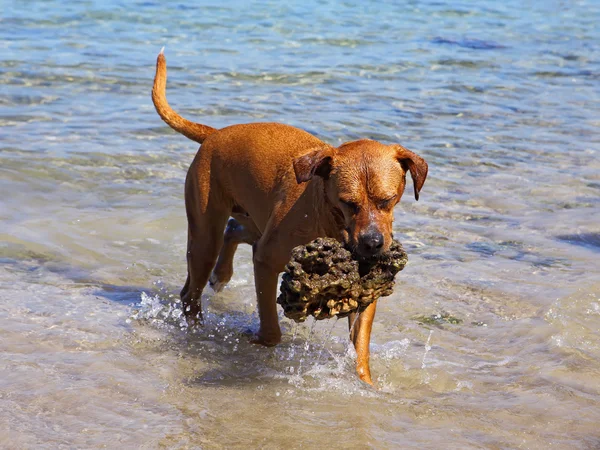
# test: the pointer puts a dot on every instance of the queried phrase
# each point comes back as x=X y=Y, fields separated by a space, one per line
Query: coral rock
x=323 y=279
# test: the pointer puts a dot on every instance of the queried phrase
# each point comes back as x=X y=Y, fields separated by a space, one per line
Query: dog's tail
x=194 y=131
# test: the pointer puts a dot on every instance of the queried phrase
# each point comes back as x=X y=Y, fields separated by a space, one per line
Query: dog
x=274 y=187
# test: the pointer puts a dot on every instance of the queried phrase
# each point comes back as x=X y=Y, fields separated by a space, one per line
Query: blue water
x=501 y=98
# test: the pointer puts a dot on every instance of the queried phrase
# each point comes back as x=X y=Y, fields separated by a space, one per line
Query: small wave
x=474 y=44
x=590 y=241
x=565 y=74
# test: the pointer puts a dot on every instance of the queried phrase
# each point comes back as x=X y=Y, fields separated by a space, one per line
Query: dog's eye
x=352 y=206
x=385 y=204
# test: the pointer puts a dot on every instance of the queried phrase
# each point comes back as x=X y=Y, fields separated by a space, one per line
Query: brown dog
x=283 y=187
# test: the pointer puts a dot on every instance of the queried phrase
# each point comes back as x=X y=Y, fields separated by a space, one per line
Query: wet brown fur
x=282 y=187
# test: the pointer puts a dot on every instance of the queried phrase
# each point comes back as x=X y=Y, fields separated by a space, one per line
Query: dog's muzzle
x=370 y=243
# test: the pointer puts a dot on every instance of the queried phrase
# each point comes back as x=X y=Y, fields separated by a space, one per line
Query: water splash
x=293 y=341
x=327 y=337
x=426 y=377
x=159 y=312
x=292 y=350
x=354 y=323
x=306 y=346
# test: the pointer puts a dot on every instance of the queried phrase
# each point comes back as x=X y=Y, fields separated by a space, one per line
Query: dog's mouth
x=352 y=247
x=368 y=259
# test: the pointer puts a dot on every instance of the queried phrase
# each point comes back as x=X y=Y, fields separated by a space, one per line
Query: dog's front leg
x=360 y=334
x=265 y=279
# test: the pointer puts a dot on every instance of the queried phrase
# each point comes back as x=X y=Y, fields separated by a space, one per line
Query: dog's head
x=364 y=180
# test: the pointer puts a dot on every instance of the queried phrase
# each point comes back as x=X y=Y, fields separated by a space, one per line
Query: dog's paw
x=215 y=284
x=266 y=339
x=364 y=373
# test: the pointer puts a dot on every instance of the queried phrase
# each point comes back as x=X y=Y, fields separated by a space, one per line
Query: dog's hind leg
x=205 y=239
x=237 y=232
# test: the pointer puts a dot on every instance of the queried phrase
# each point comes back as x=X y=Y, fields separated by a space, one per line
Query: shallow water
x=491 y=339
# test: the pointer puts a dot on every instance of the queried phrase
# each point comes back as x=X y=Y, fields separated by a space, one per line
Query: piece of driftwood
x=323 y=279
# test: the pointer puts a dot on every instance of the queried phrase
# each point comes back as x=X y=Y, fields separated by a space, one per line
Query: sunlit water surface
x=491 y=339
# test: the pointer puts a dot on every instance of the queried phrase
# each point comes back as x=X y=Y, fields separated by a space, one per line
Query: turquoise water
x=502 y=100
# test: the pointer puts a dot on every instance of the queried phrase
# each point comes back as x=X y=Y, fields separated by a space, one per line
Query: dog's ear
x=316 y=162
x=415 y=164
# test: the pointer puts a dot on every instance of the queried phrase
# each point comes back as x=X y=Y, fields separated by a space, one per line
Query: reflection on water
x=491 y=338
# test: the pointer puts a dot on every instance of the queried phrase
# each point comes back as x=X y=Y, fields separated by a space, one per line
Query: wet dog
x=274 y=187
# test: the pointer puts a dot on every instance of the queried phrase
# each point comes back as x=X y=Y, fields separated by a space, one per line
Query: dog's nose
x=370 y=243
